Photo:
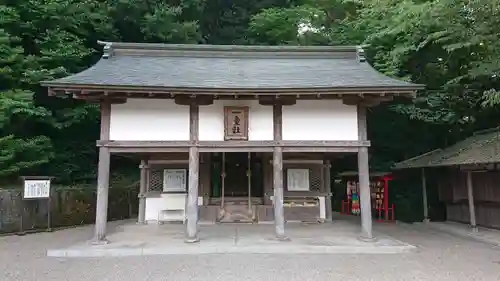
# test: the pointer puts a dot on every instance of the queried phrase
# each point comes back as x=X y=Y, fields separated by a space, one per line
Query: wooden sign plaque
x=235 y=123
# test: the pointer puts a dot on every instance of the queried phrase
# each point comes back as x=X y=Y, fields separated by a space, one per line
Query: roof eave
x=64 y=86
x=403 y=164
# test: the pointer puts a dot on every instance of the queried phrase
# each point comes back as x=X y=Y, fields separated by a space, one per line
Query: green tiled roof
x=481 y=148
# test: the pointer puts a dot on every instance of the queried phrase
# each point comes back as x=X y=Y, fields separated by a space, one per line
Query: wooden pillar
x=470 y=195
x=141 y=218
x=328 y=189
x=249 y=182
x=194 y=166
x=364 y=178
x=268 y=178
x=101 y=217
x=205 y=176
x=424 y=197
x=279 y=212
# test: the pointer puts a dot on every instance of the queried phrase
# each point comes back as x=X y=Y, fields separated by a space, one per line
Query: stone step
x=237 y=213
x=236 y=201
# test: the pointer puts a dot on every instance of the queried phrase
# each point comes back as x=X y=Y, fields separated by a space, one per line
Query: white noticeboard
x=36 y=189
x=298 y=179
x=174 y=180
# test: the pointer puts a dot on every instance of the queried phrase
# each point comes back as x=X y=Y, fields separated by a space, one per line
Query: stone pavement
x=340 y=237
x=485 y=235
x=440 y=256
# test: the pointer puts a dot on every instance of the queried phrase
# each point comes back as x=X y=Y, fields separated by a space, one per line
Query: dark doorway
x=236 y=174
x=236 y=168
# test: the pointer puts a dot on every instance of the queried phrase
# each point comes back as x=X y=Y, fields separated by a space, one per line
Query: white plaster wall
x=326 y=120
x=260 y=124
x=149 y=120
x=163 y=120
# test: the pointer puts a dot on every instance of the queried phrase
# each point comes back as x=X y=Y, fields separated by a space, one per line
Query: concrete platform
x=484 y=235
x=340 y=237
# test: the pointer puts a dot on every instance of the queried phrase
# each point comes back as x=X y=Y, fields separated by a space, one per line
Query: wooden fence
x=69 y=206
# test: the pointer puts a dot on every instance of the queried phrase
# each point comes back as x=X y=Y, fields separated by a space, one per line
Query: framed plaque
x=236 y=123
x=174 y=180
x=36 y=188
x=298 y=179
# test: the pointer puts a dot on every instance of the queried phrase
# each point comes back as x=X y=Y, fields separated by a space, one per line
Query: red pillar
x=386 y=180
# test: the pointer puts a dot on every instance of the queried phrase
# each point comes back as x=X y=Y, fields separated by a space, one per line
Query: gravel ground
x=440 y=257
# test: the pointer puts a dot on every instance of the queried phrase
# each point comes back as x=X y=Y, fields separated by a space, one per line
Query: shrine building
x=232 y=133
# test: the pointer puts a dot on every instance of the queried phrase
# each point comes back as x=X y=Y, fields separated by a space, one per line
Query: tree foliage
x=451 y=46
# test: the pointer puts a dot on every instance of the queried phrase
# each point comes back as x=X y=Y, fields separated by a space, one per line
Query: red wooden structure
x=379 y=183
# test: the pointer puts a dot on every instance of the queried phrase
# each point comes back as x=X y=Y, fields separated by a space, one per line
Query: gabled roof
x=233 y=69
x=481 y=148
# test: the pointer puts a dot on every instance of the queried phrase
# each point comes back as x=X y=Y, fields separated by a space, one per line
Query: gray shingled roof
x=481 y=148
x=232 y=67
x=420 y=161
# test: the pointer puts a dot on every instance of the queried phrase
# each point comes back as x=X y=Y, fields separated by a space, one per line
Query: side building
x=467 y=174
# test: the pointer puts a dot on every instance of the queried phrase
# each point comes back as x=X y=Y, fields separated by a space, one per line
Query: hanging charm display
x=353 y=197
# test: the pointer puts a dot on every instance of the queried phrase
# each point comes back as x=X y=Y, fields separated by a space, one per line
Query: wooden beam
x=99 y=99
x=315 y=149
x=367 y=101
x=148 y=150
x=238 y=144
x=274 y=100
x=351 y=96
x=235 y=149
x=198 y=100
x=103 y=178
x=278 y=122
x=233 y=146
x=110 y=101
x=194 y=123
x=204 y=149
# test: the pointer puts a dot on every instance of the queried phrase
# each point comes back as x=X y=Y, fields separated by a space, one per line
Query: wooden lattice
x=156 y=180
x=315 y=175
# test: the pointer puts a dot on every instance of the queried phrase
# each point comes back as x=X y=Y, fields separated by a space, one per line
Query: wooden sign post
x=36 y=188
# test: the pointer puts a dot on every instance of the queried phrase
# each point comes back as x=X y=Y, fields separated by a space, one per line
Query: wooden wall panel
x=486 y=186
x=487 y=215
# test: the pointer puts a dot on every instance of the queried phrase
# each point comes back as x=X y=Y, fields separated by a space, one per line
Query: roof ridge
x=167 y=46
x=351 y=52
